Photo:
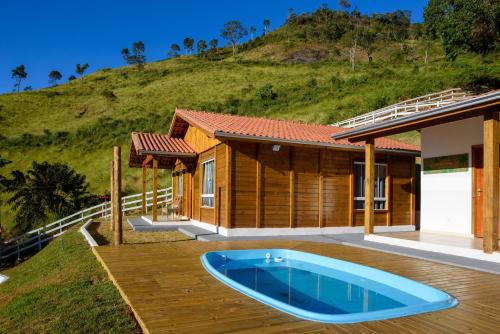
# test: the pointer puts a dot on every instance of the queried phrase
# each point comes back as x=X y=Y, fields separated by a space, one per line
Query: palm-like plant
x=46 y=191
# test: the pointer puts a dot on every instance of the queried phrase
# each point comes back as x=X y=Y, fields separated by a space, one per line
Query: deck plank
x=170 y=291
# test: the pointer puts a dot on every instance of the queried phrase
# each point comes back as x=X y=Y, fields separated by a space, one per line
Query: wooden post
x=117 y=196
x=320 y=189
x=228 y=184
x=292 y=190
x=144 y=178
x=490 y=191
x=412 y=194
x=111 y=213
x=369 y=185
x=154 y=211
x=258 y=187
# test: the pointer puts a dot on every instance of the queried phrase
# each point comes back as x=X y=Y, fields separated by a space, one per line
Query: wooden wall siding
x=275 y=204
x=275 y=186
x=220 y=170
x=380 y=218
x=337 y=197
x=244 y=178
x=305 y=164
x=199 y=140
x=401 y=170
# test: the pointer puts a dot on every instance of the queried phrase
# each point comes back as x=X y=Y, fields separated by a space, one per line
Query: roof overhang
x=473 y=107
x=146 y=147
x=271 y=140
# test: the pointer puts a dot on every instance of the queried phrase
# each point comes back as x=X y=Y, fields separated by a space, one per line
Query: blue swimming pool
x=320 y=288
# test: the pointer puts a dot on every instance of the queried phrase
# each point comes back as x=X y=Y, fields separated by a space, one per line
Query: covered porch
x=151 y=152
x=479 y=239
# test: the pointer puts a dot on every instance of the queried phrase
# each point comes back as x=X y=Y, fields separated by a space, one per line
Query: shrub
x=266 y=93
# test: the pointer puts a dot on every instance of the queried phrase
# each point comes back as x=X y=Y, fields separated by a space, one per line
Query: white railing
x=405 y=108
x=37 y=237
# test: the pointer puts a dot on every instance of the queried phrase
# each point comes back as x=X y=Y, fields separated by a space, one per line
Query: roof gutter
x=225 y=135
x=442 y=111
x=167 y=154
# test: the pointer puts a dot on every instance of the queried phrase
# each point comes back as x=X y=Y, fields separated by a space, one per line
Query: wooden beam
x=351 y=191
x=258 y=188
x=320 y=188
x=229 y=155
x=144 y=178
x=369 y=185
x=412 y=194
x=111 y=185
x=388 y=192
x=216 y=191
x=490 y=191
x=117 y=195
x=154 y=210
x=292 y=189
x=148 y=159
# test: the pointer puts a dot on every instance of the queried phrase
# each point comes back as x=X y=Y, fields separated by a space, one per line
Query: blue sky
x=57 y=34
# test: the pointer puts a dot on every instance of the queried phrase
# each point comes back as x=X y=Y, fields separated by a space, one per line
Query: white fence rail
x=405 y=108
x=37 y=237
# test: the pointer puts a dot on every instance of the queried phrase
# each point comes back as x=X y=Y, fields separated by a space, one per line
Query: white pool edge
x=3 y=278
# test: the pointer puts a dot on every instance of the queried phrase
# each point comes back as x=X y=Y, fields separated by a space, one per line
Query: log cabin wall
x=307 y=187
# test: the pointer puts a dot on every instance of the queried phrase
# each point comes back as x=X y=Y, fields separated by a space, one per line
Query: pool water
x=322 y=289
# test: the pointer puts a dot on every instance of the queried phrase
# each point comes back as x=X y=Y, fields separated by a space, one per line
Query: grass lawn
x=62 y=289
x=103 y=236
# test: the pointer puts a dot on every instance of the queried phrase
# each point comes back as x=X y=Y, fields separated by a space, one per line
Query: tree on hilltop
x=174 y=50
x=18 y=74
x=233 y=32
x=80 y=69
x=188 y=45
x=201 y=47
x=54 y=77
x=136 y=56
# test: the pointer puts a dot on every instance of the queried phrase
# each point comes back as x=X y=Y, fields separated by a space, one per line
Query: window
x=207 y=194
x=179 y=184
x=359 y=186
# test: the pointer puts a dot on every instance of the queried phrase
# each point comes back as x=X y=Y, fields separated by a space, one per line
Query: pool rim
x=392 y=313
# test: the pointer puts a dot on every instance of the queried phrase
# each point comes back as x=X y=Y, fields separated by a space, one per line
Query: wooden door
x=477 y=190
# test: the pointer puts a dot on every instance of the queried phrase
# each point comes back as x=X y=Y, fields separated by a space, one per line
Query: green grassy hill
x=79 y=122
x=62 y=289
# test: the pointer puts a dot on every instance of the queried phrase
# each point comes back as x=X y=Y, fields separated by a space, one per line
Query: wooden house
x=253 y=176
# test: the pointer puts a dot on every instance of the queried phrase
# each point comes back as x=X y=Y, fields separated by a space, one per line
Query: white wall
x=446 y=198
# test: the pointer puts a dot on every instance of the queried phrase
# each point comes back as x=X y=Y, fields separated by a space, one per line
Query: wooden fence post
x=111 y=215
x=117 y=198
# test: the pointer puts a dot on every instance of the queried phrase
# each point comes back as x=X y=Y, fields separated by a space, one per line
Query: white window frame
x=203 y=195
x=380 y=199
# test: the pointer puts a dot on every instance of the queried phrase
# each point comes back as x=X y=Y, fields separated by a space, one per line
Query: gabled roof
x=225 y=126
x=476 y=106
x=162 y=147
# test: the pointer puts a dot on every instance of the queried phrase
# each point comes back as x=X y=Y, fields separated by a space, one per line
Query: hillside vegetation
x=291 y=73
x=62 y=289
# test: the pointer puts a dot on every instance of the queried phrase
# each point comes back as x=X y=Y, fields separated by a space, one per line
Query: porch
x=458 y=245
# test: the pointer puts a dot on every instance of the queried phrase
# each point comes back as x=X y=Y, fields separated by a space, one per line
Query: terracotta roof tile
x=160 y=143
x=220 y=125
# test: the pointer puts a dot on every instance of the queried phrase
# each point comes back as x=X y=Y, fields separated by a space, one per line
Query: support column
x=111 y=215
x=155 y=191
x=490 y=187
x=144 y=177
x=229 y=159
x=369 y=185
x=117 y=196
x=292 y=190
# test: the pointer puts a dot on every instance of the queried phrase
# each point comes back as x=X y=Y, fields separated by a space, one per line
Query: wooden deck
x=170 y=292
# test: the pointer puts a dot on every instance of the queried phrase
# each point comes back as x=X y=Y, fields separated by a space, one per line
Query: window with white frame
x=207 y=194
x=179 y=184
x=379 y=190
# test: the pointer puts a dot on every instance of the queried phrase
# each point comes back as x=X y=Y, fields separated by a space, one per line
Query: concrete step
x=196 y=233
x=138 y=224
